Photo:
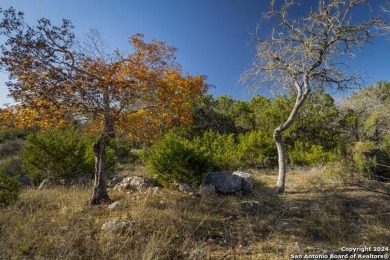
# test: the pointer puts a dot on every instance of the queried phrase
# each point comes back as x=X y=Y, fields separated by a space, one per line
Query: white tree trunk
x=278 y=137
x=282 y=162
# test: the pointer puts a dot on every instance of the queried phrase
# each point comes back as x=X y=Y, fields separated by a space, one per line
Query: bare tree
x=304 y=49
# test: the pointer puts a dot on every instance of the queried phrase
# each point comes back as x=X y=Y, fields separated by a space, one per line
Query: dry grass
x=317 y=214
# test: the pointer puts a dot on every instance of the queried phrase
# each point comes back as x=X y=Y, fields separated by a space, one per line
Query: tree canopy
x=54 y=78
x=305 y=52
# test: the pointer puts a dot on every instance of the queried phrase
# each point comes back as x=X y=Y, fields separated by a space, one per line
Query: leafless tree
x=304 y=50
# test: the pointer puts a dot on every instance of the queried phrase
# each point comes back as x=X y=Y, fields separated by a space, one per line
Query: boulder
x=115 y=206
x=114 y=181
x=247 y=180
x=116 y=226
x=139 y=183
x=224 y=182
x=134 y=183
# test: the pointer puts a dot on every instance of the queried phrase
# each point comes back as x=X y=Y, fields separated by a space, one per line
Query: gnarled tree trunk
x=100 y=194
x=282 y=160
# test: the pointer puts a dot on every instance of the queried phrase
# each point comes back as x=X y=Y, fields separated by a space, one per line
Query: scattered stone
x=154 y=190
x=114 y=181
x=206 y=189
x=122 y=186
x=224 y=182
x=115 y=206
x=134 y=183
x=119 y=226
x=184 y=187
x=247 y=180
x=139 y=183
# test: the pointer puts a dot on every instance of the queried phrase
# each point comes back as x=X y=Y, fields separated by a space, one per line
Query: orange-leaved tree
x=55 y=78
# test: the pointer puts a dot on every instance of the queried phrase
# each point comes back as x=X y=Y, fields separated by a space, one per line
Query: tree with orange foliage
x=53 y=79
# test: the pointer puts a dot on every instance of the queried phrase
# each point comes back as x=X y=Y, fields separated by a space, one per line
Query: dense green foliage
x=238 y=134
x=253 y=149
x=366 y=125
x=59 y=154
x=226 y=135
x=174 y=159
x=9 y=188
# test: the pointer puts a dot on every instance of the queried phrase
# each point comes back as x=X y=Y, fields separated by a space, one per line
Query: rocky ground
x=319 y=215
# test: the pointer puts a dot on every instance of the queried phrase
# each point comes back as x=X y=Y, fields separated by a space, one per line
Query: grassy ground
x=317 y=215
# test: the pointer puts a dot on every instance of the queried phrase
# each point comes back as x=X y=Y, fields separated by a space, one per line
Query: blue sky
x=213 y=37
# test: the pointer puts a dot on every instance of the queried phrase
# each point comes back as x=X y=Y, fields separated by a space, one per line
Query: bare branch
x=311 y=45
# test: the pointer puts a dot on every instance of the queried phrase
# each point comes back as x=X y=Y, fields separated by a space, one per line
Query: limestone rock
x=115 y=206
x=224 y=182
x=247 y=180
x=117 y=226
x=184 y=187
x=114 y=181
x=139 y=183
x=134 y=183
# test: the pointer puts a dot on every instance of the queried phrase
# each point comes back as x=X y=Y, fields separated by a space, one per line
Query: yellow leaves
x=40 y=115
x=145 y=92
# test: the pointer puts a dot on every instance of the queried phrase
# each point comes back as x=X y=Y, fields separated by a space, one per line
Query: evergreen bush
x=256 y=149
x=230 y=152
x=302 y=153
x=174 y=159
x=9 y=188
x=60 y=154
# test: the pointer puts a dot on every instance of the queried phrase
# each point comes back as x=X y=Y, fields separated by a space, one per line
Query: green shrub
x=9 y=148
x=231 y=152
x=9 y=188
x=60 y=154
x=256 y=149
x=386 y=145
x=54 y=154
x=173 y=158
x=371 y=161
x=12 y=134
x=361 y=156
x=122 y=150
x=220 y=148
x=303 y=153
x=12 y=166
